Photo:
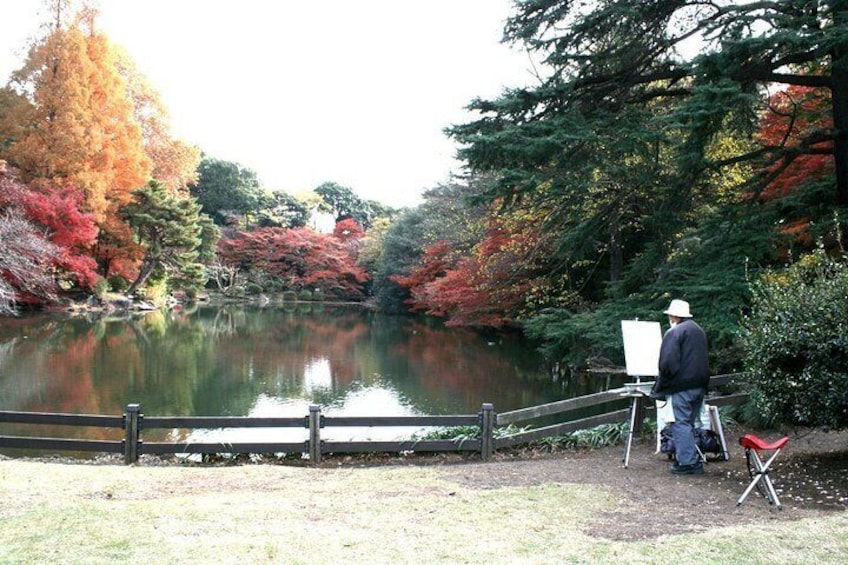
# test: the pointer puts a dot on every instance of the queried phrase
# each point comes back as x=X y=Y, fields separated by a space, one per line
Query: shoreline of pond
x=112 y=303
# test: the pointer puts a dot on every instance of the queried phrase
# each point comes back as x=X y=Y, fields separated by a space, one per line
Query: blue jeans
x=687 y=411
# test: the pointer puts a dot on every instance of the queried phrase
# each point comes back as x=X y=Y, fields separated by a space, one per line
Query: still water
x=275 y=361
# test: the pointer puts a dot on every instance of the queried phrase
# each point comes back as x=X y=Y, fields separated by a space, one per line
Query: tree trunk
x=616 y=252
x=839 y=94
x=147 y=267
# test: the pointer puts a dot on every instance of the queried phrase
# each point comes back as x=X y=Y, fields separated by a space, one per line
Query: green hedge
x=796 y=343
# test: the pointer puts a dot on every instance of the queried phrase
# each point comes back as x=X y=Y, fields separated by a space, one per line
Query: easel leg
x=715 y=423
x=634 y=409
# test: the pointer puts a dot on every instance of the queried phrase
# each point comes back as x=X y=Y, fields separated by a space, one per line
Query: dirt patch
x=809 y=476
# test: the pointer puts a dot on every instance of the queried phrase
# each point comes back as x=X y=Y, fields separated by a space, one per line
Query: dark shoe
x=696 y=469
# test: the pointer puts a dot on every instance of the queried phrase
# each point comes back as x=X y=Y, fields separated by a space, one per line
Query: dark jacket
x=683 y=359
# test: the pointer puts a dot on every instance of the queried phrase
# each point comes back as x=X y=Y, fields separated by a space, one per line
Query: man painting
x=683 y=378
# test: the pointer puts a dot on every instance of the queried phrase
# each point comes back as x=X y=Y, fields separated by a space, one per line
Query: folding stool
x=758 y=470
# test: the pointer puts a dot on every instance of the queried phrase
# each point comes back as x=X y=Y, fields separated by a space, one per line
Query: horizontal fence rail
x=615 y=396
x=559 y=407
x=62 y=419
x=133 y=423
x=62 y=444
x=211 y=422
x=214 y=422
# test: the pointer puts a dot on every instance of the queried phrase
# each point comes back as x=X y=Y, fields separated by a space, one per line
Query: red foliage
x=348 y=230
x=797 y=112
x=299 y=257
x=57 y=210
x=73 y=231
x=487 y=288
x=350 y=234
x=433 y=265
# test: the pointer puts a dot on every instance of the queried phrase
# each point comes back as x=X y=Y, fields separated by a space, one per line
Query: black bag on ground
x=706 y=440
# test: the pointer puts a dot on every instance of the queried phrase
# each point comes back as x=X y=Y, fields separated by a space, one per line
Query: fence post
x=131 y=433
x=314 y=434
x=487 y=430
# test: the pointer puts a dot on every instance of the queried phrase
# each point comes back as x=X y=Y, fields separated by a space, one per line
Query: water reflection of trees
x=220 y=360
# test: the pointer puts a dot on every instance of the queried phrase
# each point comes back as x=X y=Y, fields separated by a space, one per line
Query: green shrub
x=101 y=287
x=253 y=289
x=156 y=291
x=463 y=433
x=118 y=283
x=272 y=285
x=603 y=435
x=304 y=295
x=796 y=343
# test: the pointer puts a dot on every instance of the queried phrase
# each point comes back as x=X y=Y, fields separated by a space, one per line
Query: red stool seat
x=751 y=441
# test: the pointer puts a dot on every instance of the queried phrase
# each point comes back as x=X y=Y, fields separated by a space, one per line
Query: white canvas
x=642 y=342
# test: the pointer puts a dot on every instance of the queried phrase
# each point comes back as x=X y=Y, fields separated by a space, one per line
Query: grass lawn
x=53 y=512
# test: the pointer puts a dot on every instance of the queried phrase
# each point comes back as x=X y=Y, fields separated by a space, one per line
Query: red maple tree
x=796 y=114
x=300 y=258
x=348 y=230
x=57 y=210
x=487 y=286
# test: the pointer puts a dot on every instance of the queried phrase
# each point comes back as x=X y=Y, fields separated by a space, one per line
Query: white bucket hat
x=678 y=309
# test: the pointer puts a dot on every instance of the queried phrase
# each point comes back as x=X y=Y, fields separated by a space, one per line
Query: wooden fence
x=133 y=423
x=613 y=397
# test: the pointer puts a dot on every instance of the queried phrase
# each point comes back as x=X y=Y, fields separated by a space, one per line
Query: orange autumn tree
x=78 y=113
x=79 y=128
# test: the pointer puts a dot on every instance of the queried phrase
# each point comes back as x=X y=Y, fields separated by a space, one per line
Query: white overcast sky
x=351 y=91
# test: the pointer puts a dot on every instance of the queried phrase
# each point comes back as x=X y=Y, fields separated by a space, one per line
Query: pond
x=237 y=360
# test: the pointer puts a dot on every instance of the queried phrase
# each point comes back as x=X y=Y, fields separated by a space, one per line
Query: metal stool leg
x=772 y=494
x=759 y=473
x=758 y=470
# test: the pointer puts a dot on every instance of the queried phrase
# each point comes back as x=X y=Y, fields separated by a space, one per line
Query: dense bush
x=796 y=343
